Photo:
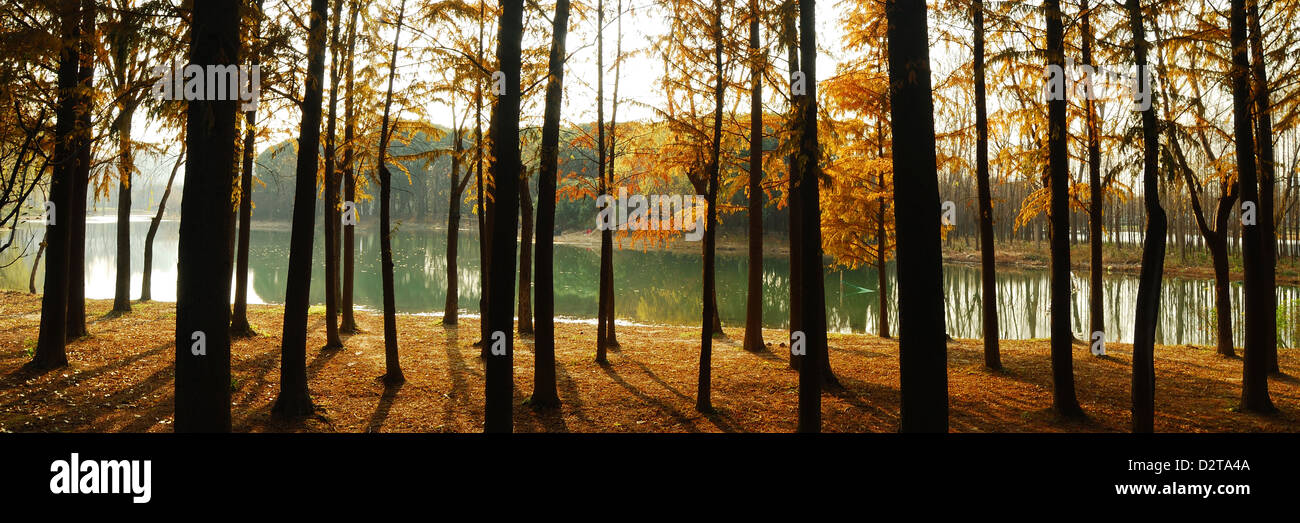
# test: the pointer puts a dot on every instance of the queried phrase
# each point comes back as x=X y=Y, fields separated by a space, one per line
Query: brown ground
x=120 y=379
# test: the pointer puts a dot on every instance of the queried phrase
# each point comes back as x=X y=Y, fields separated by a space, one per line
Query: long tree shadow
x=657 y=403
x=383 y=408
x=718 y=417
x=456 y=372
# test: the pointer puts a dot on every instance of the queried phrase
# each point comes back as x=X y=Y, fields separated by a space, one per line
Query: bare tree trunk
x=294 y=399
x=349 y=322
x=146 y=286
x=988 y=259
x=499 y=386
x=1064 y=400
x=393 y=370
x=525 y=255
x=1147 y=315
x=330 y=213
x=921 y=332
x=544 y=382
x=754 y=301
x=1258 y=292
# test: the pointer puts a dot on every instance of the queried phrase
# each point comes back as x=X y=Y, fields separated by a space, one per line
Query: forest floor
x=121 y=380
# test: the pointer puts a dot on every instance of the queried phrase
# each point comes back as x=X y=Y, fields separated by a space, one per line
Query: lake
x=654 y=286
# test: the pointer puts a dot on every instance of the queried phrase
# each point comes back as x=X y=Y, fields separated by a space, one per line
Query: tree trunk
x=451 y=306
x=1265 y=158
x=1258 y=292
x=126 y=162
x=239 y=326
x=392 y=366
x=544 y=382
x=499 y=388
x=349 y=322
x=81 y=177
x=294 y=399
x=50 y=350
x=525 y=314
x=922 y=340
x=1147 y=315
x=330 y=214
x=36 y=262
x=988 y=258
x=703 y=397
x=754 y=302
x=202 y=302
x=795 y=234
x=603 y=188
x=1064 y=400
x=146 y=285
x=1096 y=310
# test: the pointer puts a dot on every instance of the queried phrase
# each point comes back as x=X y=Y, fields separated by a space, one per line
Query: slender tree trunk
x=525 y=314
x=988 y=258
x=1265 y=163
x=36 y=262
x=1096 y=310
x=754 y=302
x=603 y=188
x=294 y=399
x=393 y=370
x=506 y=166
x=703 y=397
x=1064 y=399
x=239 y=326
x=349 y=322
x=1258 y=292
x=202 y=301
x=451 y=307
x=484 y=236
x=330 y=214
x=1147 y=315
x=923 y=376
x=126 y=162
x=81 y=177
x=544 y=382
x=146 y=286
x=795 y=234
x=50 y=349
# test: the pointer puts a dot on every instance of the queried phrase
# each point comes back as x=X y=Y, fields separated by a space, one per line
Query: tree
x=1064 y=400
x=393 y=370
x=988 y=267
x=332 y=217
x=754 y=302
x=1147 y=316
x=605 y=292
x=1096 y=313
x=499 y=387
x=294 y=398
x=202 y=310
x=812 y=372
x=83 y=141
x=239 y=326
x=922 y=347
x=1265 y=156
x=146 y=277
x=703 y=399
x=544 y=385
x=349 y=323
x=50 y=349
x=1258 y=292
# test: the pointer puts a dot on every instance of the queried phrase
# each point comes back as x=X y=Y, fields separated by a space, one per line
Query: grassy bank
x=121 y=379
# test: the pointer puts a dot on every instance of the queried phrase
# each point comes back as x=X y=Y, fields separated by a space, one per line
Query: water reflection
x=662 y=287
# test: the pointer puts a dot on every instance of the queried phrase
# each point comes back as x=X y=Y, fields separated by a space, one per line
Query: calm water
x=655 y=286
